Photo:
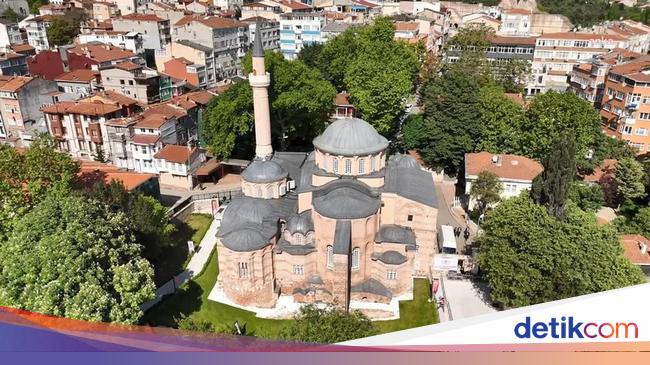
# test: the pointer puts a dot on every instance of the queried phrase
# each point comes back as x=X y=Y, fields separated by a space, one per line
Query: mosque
x=339 y=225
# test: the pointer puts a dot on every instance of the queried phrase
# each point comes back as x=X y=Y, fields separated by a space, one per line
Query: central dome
x=263 y=171
x=350 y=137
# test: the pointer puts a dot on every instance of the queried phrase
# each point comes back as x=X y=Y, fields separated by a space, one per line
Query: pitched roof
x=175 y=153
x=508 y=166
x=342 y=98
x=293 y=5
x=128 y=66
x=406 y=26
x=143 y=17
x=101 y=52
x=513 y=40
x=638 y=69
x=15 y=83
x=632 y=245
x=582 y=36
x=90 y=171
x=145 y=138
x=18 y=48
x=214 y=22
x=606 y=169
x=79 y=75
x=96 y=108
x=517 y=11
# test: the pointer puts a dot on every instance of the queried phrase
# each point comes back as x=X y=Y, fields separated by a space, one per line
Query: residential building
x=23 y=48
x=80 y=126
x=133 y=80
x=13 y=64
x=334 y=29
x=637 y=34
x=36 y=29
x=227 y=38
x=102 y=11
x=176 y=164
x=184 y=69
x=156 y=31
x=636 y=249
x=516 y=173
x=21 y=7
x=587 y=79
x=258 y=9
x=126 y=7
x=344 y=108
x=557 y=53
x=9 y=33
x=21 y=98
x=298 y=29
x=165 y=11
x=503 y=50
x=270 y=31
x=92 y=171
x=481 y=19
x=625 y=107
x=92 y=25
x=81 y=82
x=228 y=4
x=515 y=22
x=289 y=6
x=131 y=41
x=98 y=56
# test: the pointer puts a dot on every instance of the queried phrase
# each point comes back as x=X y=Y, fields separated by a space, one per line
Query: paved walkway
x=194 y=267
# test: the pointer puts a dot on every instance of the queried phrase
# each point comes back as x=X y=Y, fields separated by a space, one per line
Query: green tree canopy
x=327 y=325
x=629 y=176
x=62 y=31
x=588 y=197
x=551 y=115
x=530 y=257
x=551 y=187
x=301 y=102
x=486 y=190
x=73 y=257
x=501 y=119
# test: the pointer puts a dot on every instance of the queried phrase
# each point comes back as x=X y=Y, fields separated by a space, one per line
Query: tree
x=62 y=31
x=73 y=257
x=99 y=155
x=486 y=190
x=607 y=147
x=530 y=257
x=551 y=187
x=588 y=197
x=629 y=177
x=378 y=71
x=452 y=120
x=327 y=325
x=551 y=115
x=500 y=120
x=310 y=54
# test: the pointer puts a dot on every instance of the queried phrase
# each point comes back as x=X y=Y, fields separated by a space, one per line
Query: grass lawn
x=192 y=300
x=176 y=255
x=413 y=313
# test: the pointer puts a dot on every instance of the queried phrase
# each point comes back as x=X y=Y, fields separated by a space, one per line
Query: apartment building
x=133 y=80
x=156 y=31
x=557 y=53
x=102 y=11
x=625 y=107
x=270 y=31
x=131 y=41
x=9 y=33
x=165 y=11
x=227 y=39
x=587 y=79
x=258 y=9
x=298 y=29
x=184 y=69
x=637 y=34
x=515 y=22
x=80 y=83
x=21 y=98
x=36 y=29
x=13 y=64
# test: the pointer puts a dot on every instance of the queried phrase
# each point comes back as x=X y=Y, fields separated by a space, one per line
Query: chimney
x=643 y=248
x=496 y=159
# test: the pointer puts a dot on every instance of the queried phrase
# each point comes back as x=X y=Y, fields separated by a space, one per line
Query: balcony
x=630 y=120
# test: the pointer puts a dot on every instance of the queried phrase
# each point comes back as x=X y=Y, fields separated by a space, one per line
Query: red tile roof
x=604 y=171
x=632 y=245
x=145 y=139
x=92 y=171
x=342 y=99
x=510 y=166
x=101 y=52
x=79 y=75
x=406 y=26
x=128 y=66
x=22 y=48
x=143 y=17
x=293 y=4
x=214 y=22
x=175 y=153
x=15 y=83
x=517 y=11
x=95 y=108
x=582 y=36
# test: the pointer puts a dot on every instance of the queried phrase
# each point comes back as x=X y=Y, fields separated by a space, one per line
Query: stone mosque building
x=339 y=225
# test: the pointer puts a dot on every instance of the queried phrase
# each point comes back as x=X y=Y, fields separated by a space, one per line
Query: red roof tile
x=145 y=139
x=214 y=22
x=632 y=246
x=79 y=75
x=510 y=166
x=175 y=153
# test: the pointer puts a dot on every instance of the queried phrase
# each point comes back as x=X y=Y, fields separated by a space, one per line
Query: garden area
x=192 y=301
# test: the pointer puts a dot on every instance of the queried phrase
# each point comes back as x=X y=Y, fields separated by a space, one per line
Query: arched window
x=348 y=166
x=356 y=258
x=330 y=256
x=269 y=191
x=373 y=163
x=243 y=269
x=362 y=166
x=335 y=165
x=259 y=192
x=283 y=190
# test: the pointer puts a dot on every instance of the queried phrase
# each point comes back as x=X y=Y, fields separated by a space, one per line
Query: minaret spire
x=260 y=80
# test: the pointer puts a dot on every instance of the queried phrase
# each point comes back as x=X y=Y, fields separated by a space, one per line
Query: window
x=355 y=258
x=335 y=165
x=645 y=116
x=641 y=132
x=362 y=167
x=243 y=269
x=510 y=188
x=373 y=164
x=330 y=256
x=409 y=218
x=121 y=82
x=298 y=270
x=627 y=129
x=391 y=275
x=348 y=166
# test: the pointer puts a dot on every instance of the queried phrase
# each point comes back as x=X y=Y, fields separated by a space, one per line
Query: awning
x=208 y=167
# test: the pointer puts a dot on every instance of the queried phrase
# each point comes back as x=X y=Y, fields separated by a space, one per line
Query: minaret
x=260 y=80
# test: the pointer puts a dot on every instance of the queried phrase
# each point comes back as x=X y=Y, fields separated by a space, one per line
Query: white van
x=448 y=239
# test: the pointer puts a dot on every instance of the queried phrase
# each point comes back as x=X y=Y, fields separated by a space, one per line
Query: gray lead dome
x=264 y=171
x=301 y=223
x=351 y=137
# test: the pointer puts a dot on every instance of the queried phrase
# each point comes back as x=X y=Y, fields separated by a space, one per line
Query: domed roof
x=392 y=258
x=264 y=171
x=401 y=160
x=246 y=210
x=350 y=137
x=345 y=199
x=395 y=234
x=244 y=240
x=300 y=223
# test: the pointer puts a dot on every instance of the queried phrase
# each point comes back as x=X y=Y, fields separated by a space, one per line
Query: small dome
x=246 y=210
x=301 y=223
x=392 y=258
x=401 y=160
x=244 y=240
x=345 y=199
x=395 y=234
x=350 y=137
x=263 y=171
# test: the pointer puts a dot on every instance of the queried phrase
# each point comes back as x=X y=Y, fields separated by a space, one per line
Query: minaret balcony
x=259 y=80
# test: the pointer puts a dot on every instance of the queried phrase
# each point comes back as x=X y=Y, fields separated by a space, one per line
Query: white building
x=299 y=29
x=156 y=31
x=9 y=33
x=516 y=173
x=131 y=41
x=270 y=31
x=515 y=22
x=36 y=28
